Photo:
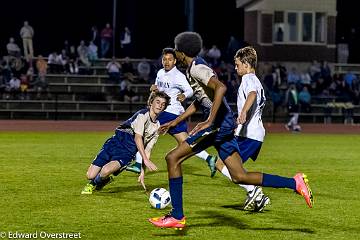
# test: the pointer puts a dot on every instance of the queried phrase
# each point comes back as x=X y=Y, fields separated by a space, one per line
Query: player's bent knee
x=238 y=178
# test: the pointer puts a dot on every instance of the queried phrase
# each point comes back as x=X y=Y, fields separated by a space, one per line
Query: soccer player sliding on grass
x=137 y=134
x=173 y=82
x=216 y=130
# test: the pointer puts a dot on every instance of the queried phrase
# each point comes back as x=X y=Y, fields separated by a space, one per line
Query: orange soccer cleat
x=168 y=221
x=303 y=188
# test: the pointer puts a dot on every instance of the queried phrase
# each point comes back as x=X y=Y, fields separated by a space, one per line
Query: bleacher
x=85 y=97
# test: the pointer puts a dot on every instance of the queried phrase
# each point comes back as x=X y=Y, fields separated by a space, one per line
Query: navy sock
x=278 y=181
x=175 y=186
x=98 y=181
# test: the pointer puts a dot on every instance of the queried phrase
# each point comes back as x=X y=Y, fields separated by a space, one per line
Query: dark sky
x=55 y=20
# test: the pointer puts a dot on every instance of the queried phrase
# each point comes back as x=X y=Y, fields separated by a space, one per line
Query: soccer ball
x=159 y=198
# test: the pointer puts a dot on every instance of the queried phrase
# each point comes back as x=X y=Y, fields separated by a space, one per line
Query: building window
x=320 y=27
x=292 y=25
x=299 y=27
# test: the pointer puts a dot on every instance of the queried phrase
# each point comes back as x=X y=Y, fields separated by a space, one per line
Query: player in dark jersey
x=216 y=130
x=139 y=133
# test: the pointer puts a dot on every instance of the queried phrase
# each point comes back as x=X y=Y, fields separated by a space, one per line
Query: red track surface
x=109 y=126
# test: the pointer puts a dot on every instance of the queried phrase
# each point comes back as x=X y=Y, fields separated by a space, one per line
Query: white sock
x=226 y=173
x=138 y=158
x=203 y=155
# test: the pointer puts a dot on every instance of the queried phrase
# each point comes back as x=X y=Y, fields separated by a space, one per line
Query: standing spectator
x=126 y=43
x=106 y=37
x=12 y=48
x=95 y=37
x=27 y=34
x=114 y=69
x=293 y=109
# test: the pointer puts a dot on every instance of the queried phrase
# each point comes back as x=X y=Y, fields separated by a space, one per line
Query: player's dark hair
x=247 y=55
x=190 y=43
x=155 y=94
x=168 y=51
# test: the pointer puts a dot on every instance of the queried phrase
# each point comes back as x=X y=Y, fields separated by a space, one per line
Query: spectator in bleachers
x=280 y=73
x=93 y=52
x=41 y=87
x=232 y=46
x=64 y=59
x=144 y=69
x=27 y=34
x=293 y=77
x=24 y=85
x=67 y=47
x=214 y=55
x=83 y=53
x=305 y=78
x=54 y=63
x=106 y=37
x=315 y=71
x=305 y=100
x=13 y=49
x=127 y=66
x=349 y=78
x=325 y=72
x=130 y=95
x=5 y=71
x=73 y=60
x=204 y=53
x=41 y=66
x=14 y=87
x=125 y=43
x=114 y=71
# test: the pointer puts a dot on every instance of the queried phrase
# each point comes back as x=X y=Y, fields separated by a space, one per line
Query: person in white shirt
x=250 y=133
x=173 y=82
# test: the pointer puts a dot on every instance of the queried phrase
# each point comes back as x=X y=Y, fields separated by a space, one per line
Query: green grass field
x=42 y=174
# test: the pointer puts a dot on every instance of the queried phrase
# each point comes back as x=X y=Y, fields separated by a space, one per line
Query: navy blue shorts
x=223 y=141
x=120 y=147
x=249 y=148
x=166 y=117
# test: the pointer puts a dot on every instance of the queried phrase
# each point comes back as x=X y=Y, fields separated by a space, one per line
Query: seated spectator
x=305 y=99
x=305 y=78
x=315 y=71
x=24 y=86
x=144 y=69
x=13 y=49
x=73 y=61
x=293 y=77
x=83 y=52
x=93 y=52
x=41 y=87
x=64 y=59
x=214 y=55
x=14 y=87
x=41 y=66
x=130 y=95
x=114 y=71
x=54 y=63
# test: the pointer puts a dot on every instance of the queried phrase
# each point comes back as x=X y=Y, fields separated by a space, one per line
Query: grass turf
x=42 y=175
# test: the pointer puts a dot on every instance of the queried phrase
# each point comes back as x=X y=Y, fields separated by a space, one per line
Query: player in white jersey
x=249 y=134
x=173 y=82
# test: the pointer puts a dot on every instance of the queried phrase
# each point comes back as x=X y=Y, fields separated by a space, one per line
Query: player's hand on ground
x=199 y=127
x=181 y=97
x=153 y=88
x=141 y=178
x=242 y=118
x=150 y=165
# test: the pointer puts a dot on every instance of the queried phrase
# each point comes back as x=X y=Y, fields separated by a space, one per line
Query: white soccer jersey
x=173 y=83
x=253 y=127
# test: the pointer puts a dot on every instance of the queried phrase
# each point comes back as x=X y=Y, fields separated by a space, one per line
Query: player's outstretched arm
x=189 y=111
x=219 y=92
x=140 y=146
